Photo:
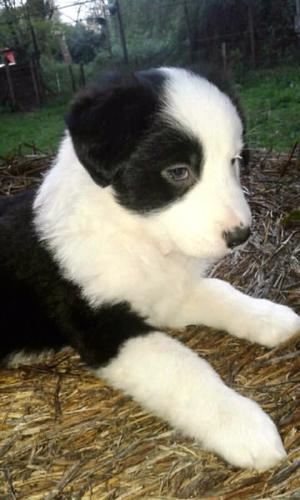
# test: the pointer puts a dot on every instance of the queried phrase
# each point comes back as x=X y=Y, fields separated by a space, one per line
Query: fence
x=24 y=87
x=21 y=86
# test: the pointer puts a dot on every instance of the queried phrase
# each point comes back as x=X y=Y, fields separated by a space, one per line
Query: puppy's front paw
x=245 y=436
x=267 y=323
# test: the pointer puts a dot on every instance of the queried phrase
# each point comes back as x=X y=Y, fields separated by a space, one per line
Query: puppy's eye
x=177 y=174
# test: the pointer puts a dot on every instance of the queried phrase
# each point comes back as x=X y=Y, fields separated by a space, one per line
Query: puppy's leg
x=172 y=381
x=215 y=303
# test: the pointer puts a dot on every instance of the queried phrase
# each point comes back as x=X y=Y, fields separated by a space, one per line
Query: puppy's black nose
x=237 y=236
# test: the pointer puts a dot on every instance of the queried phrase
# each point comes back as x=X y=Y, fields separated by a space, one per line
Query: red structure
x=8 y=56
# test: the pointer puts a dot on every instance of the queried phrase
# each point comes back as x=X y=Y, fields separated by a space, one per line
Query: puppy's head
x=169 y=143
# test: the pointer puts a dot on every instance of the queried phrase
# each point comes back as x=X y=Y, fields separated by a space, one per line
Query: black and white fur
x=143 y=197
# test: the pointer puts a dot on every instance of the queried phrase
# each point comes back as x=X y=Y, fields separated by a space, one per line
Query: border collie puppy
x=143 y=197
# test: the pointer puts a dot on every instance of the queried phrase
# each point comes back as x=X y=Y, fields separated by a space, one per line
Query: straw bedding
x=67 y=435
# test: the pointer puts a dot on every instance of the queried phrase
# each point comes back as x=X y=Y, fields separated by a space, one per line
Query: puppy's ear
x=107 y=123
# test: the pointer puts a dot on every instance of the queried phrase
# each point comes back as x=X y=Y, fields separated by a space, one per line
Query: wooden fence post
x=189 y=29
x=122 y=32
x=251 y=35
x=72 y=77
x=35 y=82
x=10 y=86
x=58 y=82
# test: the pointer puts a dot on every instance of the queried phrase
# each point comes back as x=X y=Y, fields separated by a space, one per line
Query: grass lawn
x=43 y=128
x=271 y=99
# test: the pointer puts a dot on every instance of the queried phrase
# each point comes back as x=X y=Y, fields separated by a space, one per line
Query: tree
x=83 y=43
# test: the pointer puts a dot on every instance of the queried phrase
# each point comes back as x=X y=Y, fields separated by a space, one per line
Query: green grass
x=271 y=99
x=42 y=128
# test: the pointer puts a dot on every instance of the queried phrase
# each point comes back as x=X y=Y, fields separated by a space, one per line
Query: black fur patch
x=42 y=310
x=106 y=123
x=140 y=185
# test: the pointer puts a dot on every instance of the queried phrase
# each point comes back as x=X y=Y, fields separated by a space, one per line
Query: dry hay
x=18 y=173
x=65 y=434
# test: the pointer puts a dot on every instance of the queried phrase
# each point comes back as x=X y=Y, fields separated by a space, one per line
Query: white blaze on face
x=216 y=203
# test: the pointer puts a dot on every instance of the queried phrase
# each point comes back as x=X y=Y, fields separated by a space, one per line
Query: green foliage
x=152 y=31
x=57 y=78
x=84 y=44
x=12 y=29
x=38 y=8
x=160 y=32
x=16 y=30
x=166 y=30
